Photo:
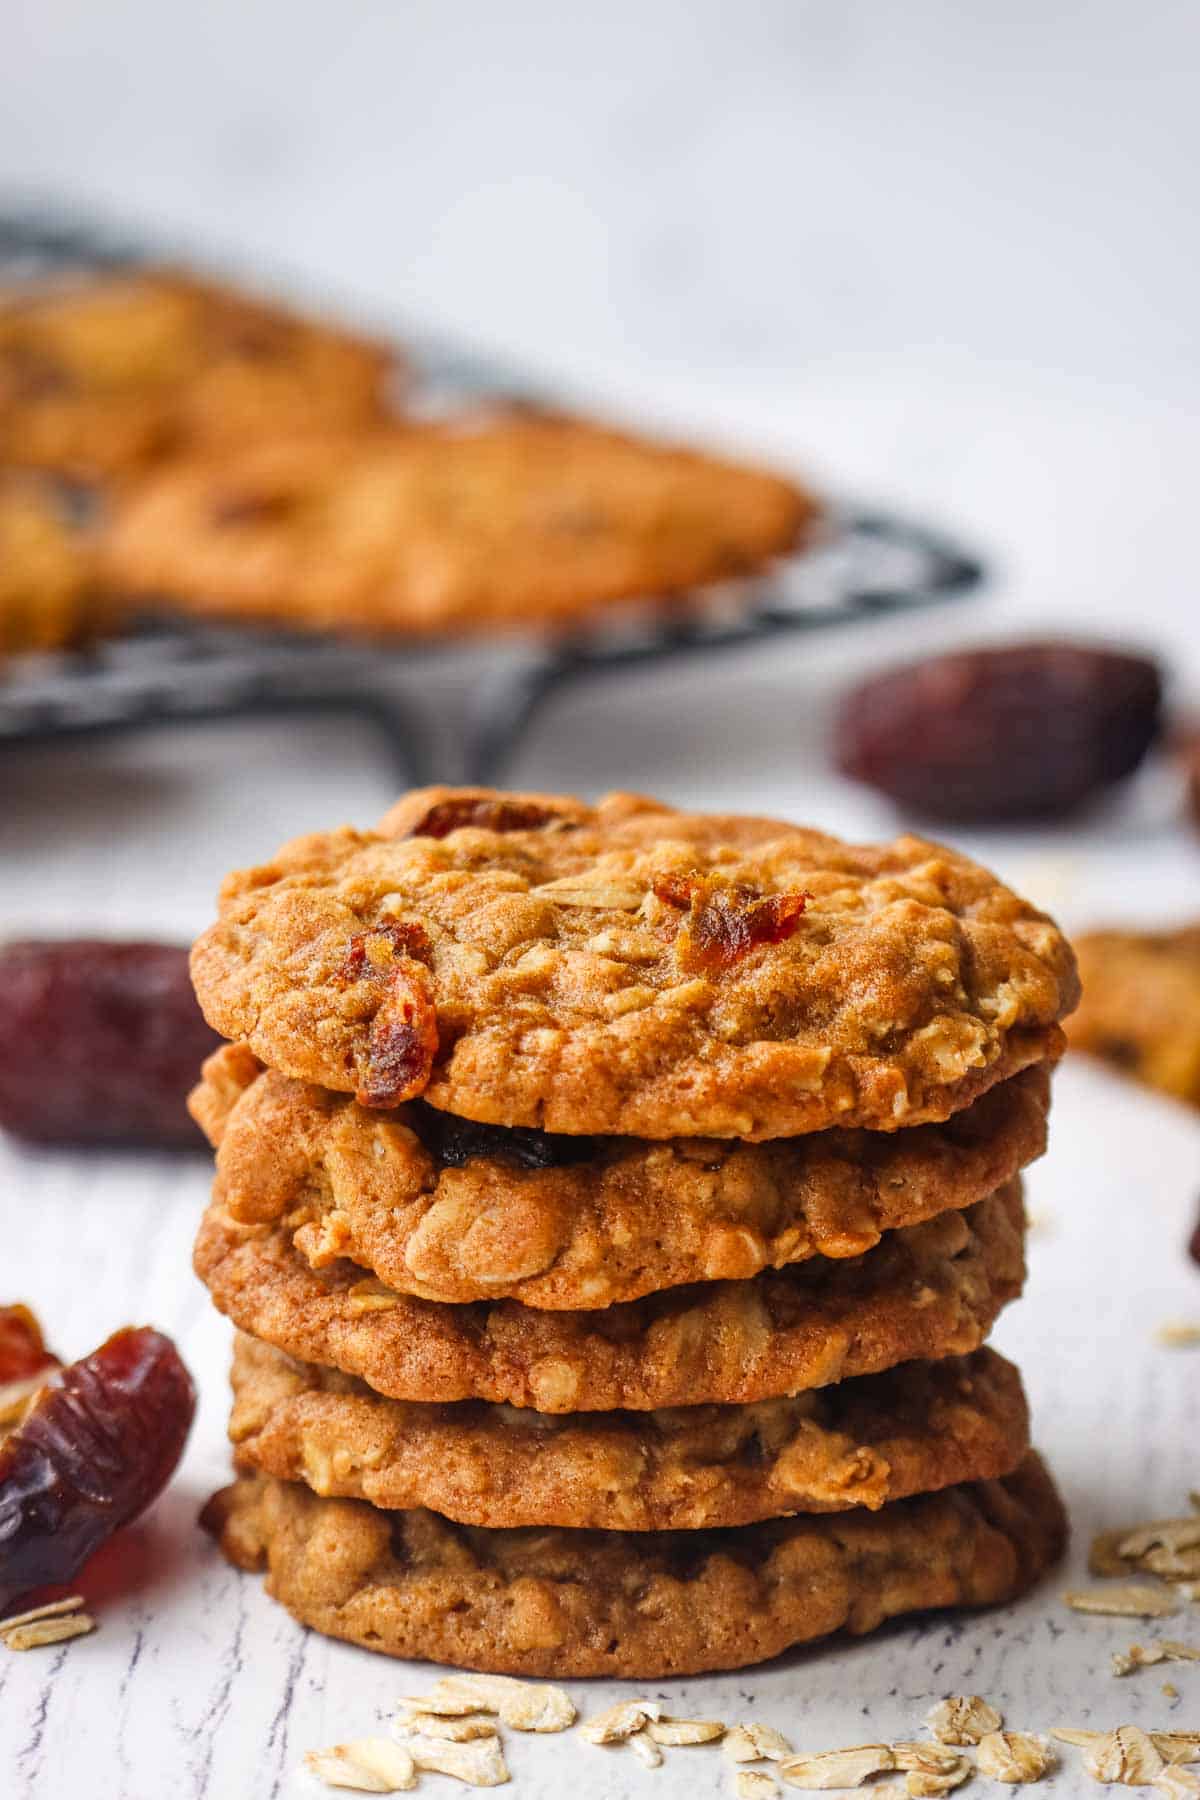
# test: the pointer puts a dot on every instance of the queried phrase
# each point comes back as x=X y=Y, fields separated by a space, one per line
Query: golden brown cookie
x=105 y=375
x=515 y=520
x=927 y=1291
x=454 y=1211
x=627 y=969
x=633 y=1605
x=45 y=569
x=911 y=1430
x=1141 y=1006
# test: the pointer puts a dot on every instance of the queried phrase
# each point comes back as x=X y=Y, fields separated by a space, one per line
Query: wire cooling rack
x=868 y=565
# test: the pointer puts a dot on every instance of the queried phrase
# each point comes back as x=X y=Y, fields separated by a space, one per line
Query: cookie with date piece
x=629 y=969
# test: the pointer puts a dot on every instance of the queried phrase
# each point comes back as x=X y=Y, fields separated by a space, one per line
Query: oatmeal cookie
x=455 y=1211
x=627 y=969
x=911 y=1430
x=45 y=569
x=1141 y=1006
x=628 y=1604
x=517 y=520
x=927 y=1291
x=103 y=376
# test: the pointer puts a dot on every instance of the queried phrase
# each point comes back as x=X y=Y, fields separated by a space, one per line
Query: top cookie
x=515 y=520
x=106 y=375
x=528 y=960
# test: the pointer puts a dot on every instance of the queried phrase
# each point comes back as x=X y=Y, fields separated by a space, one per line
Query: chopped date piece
x=97 y=1446
x=100 y=1043
x=403 y=1039
x=1019 y=731
x=22 y=1349
x=445 y=816
x=374 y=952
x=724 y=923
x=454 y=1142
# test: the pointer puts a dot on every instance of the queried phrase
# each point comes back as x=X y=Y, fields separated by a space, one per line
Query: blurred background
x=942 y=259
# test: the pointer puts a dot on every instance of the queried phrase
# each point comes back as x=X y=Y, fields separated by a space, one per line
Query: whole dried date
x=100 y=1043
x=97 y=1446
x=1019 y=731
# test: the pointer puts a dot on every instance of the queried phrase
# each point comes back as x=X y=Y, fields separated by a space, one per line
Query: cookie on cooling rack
x=106 y=374
x=511 y=521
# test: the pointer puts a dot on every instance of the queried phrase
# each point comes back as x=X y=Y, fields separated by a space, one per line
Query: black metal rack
x=866 y=566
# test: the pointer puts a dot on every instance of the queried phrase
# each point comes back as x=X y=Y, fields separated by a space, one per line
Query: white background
x=942 y=256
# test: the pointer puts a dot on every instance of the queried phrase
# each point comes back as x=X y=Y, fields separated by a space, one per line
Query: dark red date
x=725 y=923
x=96 y=1447
x=100 y=1043
x=486 y=813
x=1194 y=1243
x=1029 y=730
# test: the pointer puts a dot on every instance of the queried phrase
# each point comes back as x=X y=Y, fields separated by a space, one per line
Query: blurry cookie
x=1141 y=1006
x=927 y=1291
x=45 y=568
x=105 y=375
x=911 y=1430
x=633 y=1605
x=627 y=969
x=454 y=1211
x=517 y=520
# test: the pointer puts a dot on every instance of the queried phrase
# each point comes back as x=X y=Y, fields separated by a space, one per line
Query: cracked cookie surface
x=454 y=1211
x=516 y=520
x=556 y=1603
x=912 y=1430
x=627 y=969
x=927 y=1291
x=104 y=376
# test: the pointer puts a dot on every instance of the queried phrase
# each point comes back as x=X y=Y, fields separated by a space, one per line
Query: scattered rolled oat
x=1178 y=1334
x=523 y=1705
x=1167 y=1534
x=684 y=1731
x=838 y=1768
x=1177 y=1783
x=1159 y=1650
x=754 y=1785
x=48 y=1631
x=368 y=1766
x=1125 y=1600
x=455 y=1728
x=645 y=1749
x=1170 y=1690
x=1015 y=1756
x=1175 y=1746
x=479 y=1763
x=962 y=1719
x=1128 y=1755
x=750 y=1743
x=931 y=1768
x=53 y=1609
x=620 y=1721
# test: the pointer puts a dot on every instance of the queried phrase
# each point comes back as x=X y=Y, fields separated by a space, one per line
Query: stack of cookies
x=613 y=1204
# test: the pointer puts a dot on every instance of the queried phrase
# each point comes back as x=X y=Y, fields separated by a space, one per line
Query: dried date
x=99 y=1443
x=484 y=813
x=1029 y=730
x=100 y=1043
x=725 y=922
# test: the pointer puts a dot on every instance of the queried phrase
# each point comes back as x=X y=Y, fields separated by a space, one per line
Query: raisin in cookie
x=518 y=520
x=927 y=1291
x=911 y=1430
x=628 y=1604
x=627 y=969
x=449 y=1210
